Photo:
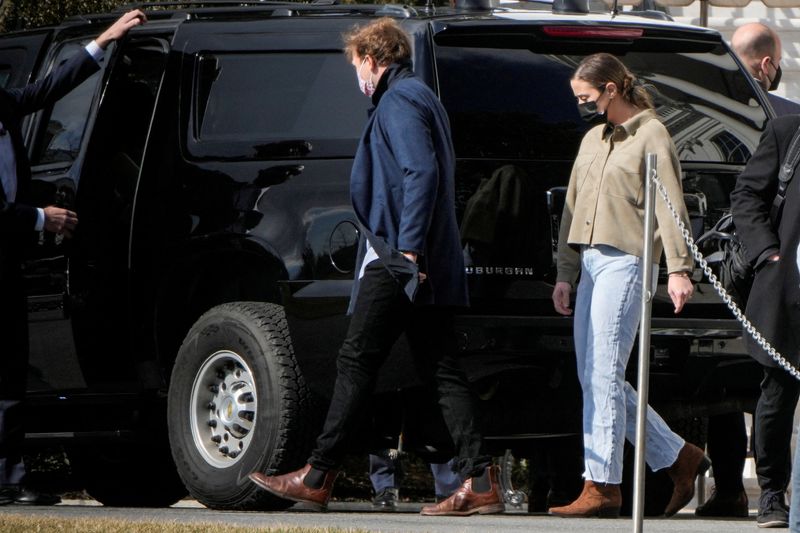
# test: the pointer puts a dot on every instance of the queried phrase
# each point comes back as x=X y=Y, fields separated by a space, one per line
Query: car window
x=263 y=105
x=61 y=131
x=517 y=103
x=18 y=56
x=11 y=60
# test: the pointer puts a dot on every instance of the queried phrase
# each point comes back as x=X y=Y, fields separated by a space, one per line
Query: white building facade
x=786 y=21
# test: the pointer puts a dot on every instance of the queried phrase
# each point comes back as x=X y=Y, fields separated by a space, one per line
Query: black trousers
x=727 y=448
x=13 y=372
x=774 y=420
x=382 y=313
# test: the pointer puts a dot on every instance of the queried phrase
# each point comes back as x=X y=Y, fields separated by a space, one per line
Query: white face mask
x=367 y=87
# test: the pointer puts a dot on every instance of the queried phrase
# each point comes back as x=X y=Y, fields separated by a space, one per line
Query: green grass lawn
x=25 y=524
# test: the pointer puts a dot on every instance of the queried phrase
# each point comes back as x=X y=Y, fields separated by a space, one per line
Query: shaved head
x=759 y=48
x=752 y=42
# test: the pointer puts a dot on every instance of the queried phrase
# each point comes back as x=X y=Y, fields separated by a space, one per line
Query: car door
x=55 y=137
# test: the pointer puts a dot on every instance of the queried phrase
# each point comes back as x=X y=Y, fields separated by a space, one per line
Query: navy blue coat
x=403 y=189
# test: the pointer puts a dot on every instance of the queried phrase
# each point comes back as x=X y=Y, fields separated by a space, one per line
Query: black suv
x=189 y=330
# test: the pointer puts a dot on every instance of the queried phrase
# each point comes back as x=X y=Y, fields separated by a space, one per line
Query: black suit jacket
x=16 y=217
x=774 y=302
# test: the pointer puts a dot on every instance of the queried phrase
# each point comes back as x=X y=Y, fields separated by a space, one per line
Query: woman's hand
x=561 y=297
x=680 y=289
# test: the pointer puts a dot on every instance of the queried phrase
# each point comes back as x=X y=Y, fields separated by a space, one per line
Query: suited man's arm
x=409 y=136
x=72 y=72
x=19 y=218
x=16 y=218
x=752 y=198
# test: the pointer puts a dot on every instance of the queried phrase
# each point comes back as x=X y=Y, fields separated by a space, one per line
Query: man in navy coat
x=18 y=224
x=410 y=274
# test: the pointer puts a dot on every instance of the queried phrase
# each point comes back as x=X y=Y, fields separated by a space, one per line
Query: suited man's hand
x=60 y=221
x=121 y=27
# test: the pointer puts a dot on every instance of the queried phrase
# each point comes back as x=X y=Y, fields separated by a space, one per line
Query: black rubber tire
x=258 y=333
x=131 y=474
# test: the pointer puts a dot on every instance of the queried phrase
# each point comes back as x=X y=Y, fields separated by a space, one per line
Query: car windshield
x=515 y=103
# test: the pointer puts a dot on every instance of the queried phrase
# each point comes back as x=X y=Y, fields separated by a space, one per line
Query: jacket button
x=588 y=222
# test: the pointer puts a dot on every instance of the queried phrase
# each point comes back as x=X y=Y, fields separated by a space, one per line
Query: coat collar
x=394 y=72
x=629 y=127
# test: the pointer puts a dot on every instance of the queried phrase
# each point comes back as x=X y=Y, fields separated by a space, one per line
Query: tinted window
x=61 y=133
x=516 y=103
x=246 y=105
x=10 y=62
x=18 y=57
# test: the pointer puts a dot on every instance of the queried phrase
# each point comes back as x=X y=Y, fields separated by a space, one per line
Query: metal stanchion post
x=643 y=382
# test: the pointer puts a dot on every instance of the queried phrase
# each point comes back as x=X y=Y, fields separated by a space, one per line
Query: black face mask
x=588 y=110
x=776 y=80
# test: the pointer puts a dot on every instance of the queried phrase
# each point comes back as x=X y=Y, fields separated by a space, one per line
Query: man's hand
x=411 y=256
x=561 y=298
x=60 y=221
x=121 y=27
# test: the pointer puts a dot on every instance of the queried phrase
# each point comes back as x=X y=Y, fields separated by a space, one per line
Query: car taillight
x=592 y=32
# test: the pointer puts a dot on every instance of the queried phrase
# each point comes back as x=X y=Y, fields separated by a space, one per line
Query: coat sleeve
x=408 y=131
x=668 y=167
x=568 y=259
x=55 y=85
x=752 y=198
x=16 y=218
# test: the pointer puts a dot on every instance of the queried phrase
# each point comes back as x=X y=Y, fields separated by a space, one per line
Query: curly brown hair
x=383 y=40
x=602 y=68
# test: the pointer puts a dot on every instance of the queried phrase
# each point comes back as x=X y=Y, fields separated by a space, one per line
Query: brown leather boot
x=291 y=487
x=465 y=501
x=597 y=499
x=691 y=462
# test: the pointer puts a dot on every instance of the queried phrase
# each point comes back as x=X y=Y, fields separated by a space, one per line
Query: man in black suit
x=773 y=307
x=759 y=48
x=18 y=224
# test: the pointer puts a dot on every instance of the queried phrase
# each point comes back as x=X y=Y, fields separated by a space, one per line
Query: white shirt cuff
x=95 y=51
x=39 y=219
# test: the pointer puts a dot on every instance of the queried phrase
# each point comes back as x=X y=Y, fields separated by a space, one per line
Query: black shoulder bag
x=726 y=252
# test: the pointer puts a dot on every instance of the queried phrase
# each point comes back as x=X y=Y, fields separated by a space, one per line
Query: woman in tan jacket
x=601 y=237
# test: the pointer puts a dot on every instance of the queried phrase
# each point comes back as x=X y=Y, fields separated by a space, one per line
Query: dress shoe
x=465 y=501
x=691 y=462
x=597 y=499
x=291 y=487
x=7 y=495
x=732 y=504
x=26 y=496
x=386 y=500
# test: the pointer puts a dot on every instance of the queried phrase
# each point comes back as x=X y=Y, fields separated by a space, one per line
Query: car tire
x=238 y=404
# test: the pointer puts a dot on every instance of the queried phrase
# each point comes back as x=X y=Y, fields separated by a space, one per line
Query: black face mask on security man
x=776 y=80
x=588 y=110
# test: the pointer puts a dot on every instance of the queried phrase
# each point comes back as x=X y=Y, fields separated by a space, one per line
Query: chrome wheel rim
x=223 y=408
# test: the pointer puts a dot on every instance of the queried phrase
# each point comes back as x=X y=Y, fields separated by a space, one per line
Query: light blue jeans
x=606 y=322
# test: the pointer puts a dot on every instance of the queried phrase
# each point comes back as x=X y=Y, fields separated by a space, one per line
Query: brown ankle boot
x=597 y=499
x=291 y=487
x=691 y=462
x=465 y=501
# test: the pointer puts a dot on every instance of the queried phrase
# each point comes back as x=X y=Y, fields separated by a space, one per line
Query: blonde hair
x=602 y=68
x=383 y=40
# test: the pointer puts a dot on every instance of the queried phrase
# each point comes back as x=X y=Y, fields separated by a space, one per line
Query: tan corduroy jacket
x=605 y=197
